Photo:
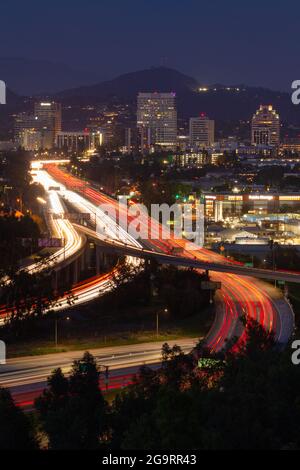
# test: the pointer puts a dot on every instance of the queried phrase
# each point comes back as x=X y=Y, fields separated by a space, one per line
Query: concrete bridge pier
x=83 y=262
x=104 y=260
x=75 y=271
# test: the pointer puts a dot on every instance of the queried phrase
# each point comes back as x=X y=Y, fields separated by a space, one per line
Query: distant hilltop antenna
x=163 y=61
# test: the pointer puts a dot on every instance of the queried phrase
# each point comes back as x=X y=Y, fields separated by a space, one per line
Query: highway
x=224 y=267
x=74 y=242
x=239 y=296
x=26 y=377
x=91 y=288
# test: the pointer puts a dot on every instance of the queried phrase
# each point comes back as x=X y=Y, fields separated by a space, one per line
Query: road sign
x=50 y=242
x=248 y=265
x=76 y=217
x=210 y=285
x=83 y=366
x=27 y=242
x=207 y=363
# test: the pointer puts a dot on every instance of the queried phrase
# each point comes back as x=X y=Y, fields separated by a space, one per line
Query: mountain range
x=127 y=86
x=222 y=103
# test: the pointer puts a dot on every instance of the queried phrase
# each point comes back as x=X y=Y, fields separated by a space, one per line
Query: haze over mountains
x=223 y=103
x=31 y=77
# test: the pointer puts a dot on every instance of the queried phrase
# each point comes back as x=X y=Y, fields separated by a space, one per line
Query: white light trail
x=98 y=286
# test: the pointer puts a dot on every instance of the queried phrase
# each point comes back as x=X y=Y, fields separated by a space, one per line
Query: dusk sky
x=230 y=42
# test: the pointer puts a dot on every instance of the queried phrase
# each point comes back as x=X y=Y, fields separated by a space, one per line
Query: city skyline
x=149 y=229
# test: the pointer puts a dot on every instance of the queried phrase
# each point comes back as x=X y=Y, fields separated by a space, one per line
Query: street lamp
x=157 y=320
x=56 y=329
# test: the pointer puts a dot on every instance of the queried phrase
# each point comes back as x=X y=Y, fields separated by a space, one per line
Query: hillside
x=126 y=87
x=222 y=103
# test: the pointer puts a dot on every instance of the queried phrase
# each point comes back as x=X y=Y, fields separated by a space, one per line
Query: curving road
x=239 y=296
x=89 y=289
x=26 y=377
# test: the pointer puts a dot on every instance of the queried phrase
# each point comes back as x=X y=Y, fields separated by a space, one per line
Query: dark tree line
x=246 y=399
x=16 y=431
x=13 y=231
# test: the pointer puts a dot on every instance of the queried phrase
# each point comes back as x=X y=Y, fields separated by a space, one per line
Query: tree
x=72 y=410
x=12 y=231
x=27 y=297
x=15 y=429
x=133 y=405
x=249 y=400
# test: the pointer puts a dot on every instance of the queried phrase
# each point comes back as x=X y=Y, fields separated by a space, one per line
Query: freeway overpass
x=163 y=258
x=239 y=295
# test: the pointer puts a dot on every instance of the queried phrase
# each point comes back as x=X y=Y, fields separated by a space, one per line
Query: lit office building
x=196 y=159
x=22 y=123
x=202 y=131
x=157 y=120
x=192 y=159
x=38 y=130
x=265 y=128
x=253 y=203
x=48 y=121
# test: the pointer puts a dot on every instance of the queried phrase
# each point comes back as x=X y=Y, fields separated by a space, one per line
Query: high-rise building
x=265 y=128
x=41 y=127
x=23 y=122
x=48 y=120
x=157 y=120
x=29 y=135
x=202 y=131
